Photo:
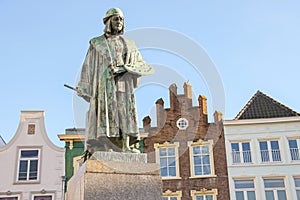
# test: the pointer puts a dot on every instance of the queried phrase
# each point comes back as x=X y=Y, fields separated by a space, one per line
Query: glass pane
x=209 y=197
x=29 y=153
x=171 y=162
x=206 y=160
x=23 y=170
x=274 y=183
x=173 y=198
x=172 y=171
x=206 y=170
x=165 y=198
x=43 y=198
x=298 y=194
x=33 y=170
x=293 y=144
x=239 y=195
x=199 y=198
x=281 y=194
x=171 y=151
x=251 y=195
x=246 y=146
x=8 y=198
x=243 y=184
x=163 y=162
x=235 y=146
x=164 y=171
x=205 y=150
x=196 y=150
x=297 y=182
x=263 y=145
x=163 y=152
x=274 y=145
x=197 y=160
x=198 y=170
x=270 y=195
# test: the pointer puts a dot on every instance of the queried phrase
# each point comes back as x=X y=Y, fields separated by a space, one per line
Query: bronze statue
x=110 y=72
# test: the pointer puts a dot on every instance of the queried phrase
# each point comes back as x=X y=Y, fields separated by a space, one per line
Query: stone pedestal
x=114 y=176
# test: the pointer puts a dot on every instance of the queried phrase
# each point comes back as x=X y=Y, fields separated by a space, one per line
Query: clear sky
x=254 y=45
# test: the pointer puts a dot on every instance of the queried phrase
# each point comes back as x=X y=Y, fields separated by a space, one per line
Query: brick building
x=189 y=149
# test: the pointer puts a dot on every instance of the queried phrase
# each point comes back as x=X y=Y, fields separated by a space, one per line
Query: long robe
x=112 y=110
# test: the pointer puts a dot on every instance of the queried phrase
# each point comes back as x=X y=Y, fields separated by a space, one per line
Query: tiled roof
x=263 y=106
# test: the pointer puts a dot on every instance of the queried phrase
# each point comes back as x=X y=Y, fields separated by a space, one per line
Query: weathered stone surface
x=110 y=180
x=119 y=157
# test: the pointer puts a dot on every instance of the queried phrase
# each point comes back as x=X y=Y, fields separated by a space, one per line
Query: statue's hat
x=111 y=12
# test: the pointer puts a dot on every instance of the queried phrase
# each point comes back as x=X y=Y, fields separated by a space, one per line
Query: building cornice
x=261 y=121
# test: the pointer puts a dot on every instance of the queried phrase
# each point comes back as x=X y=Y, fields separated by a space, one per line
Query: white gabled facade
x=32 y=167
x=263 y=158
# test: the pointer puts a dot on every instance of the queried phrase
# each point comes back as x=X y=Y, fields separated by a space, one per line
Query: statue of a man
x=109 y=74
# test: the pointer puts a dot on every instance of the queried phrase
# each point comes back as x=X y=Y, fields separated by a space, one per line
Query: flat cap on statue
x=112 y=12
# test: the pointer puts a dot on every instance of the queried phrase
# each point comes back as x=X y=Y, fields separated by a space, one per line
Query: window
x=43 y=197
x=204 y=194
x=201 y=156
x=241 y=152
x=31 y=129
x=182 y=123
x=167 y=156
x=269 y=151
x=244 y=190
x=169 y=195
x=28 y=165
x=297 y=185
x=294 y=149
x=9 y=198
x=204 y=197
x=275 y=189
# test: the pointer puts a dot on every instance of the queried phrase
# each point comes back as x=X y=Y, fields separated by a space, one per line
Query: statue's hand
x=81 y=94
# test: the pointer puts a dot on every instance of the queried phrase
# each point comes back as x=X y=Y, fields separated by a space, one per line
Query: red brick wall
x=199 y=128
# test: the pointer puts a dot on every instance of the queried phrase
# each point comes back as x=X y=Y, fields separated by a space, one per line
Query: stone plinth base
x=114 y=180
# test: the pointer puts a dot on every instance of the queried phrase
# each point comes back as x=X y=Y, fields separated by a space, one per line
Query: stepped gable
x=263 y=106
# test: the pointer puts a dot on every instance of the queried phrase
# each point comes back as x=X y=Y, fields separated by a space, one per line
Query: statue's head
x=114 y=21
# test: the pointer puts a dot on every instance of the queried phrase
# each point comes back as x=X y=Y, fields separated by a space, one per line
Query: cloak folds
x=112 y=110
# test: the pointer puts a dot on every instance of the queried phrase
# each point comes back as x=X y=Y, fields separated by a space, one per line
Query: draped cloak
x=112 y=111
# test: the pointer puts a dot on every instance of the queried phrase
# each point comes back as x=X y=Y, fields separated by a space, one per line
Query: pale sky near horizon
x=253 y=44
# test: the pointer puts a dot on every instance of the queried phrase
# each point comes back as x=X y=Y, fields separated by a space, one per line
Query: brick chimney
x=174 y=104
x=147 y=123
x=203 y=108
x=188 y=90
x=218 y=117
x=160 y=113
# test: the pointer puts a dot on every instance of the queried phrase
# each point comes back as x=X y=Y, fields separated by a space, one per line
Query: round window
x=182 y=123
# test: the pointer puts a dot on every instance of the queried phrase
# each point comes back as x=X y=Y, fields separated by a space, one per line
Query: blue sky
x=254 y=46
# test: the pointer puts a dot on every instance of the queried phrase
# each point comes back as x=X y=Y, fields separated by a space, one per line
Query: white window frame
x=200 y=142
x=175 y=145
x=297 y=188
x=270 y=151
x=275 y=189
x=245 y=190
x=42 y=194
x=28 y=165
x=169 y=194
x=11 y=196
x=295 y=151
x=180 y=125
x=203 y=192
x=240 y=155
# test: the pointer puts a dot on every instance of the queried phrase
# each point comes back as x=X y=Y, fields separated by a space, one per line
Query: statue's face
x=117 y=23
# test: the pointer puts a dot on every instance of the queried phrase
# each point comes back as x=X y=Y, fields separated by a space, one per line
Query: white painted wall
x=253 y=130
x=51 y=162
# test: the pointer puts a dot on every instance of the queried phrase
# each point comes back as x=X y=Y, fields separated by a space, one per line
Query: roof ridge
x=247 y=105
